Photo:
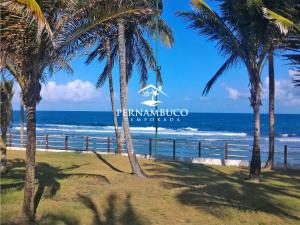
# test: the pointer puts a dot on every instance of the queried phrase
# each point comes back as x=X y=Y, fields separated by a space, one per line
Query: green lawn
x=76 y=188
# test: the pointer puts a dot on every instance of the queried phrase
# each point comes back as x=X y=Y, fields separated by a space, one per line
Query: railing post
x=174 y=149
x=108 y=144
x=10 y=139
x=226 y=151
x=47 y=141
x=150 y=147
x=86 y=143
x=199 y=149
x=66 y=142
x=285 y=156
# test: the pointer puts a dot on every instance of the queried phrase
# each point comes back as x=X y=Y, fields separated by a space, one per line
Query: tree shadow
x=107 y=163
x=47 y=178
x=110 y=217
x=48 y=219
x=210 y=189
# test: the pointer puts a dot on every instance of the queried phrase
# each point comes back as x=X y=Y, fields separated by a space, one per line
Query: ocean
x=212 y=129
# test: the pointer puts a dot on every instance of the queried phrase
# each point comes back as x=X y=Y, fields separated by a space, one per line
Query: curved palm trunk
x=255 y=165
x=3 y=152
x=21 y=120
x=29 y=191
x=270 y=161
x=112 y=96
x=136 y=169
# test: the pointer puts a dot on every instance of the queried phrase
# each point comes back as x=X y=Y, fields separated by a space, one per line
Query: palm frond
x=211 y=25
x=103 y=76
x=78 y=30
x=283 y=23
x=165 y=33
x=229 y=62
x=34 y=7
x=142 y=66
x=201 y=4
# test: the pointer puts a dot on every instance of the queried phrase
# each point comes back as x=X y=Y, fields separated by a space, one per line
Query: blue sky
x=185 y=68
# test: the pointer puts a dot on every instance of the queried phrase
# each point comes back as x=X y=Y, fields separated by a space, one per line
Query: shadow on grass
x=129 y=216
x=210 y=189
x=47 y=177
x=107 y=163
x=109 y=217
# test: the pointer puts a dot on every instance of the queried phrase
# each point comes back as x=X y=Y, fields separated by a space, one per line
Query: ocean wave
x=288 y=139
x=288 y=135
x=188 y=131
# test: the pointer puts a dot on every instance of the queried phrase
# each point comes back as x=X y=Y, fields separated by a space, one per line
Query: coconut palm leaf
x=103 y=76
x=34 y=7
x=201 y=4
x=165 y=33
x=79 y=30
x=228 y=63
x=210 y=25
x=283 y=23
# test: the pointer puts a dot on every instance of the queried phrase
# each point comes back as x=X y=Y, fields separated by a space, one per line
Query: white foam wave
x=188 y=131
x=288 y=139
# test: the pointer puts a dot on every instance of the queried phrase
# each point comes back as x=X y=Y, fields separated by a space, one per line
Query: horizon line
x=262 y=113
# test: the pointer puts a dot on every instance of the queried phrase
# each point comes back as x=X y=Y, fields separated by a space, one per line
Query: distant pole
x=174 y=149
x=108 y=144
x=10 y=138
x=199 y=149
x=285 y=156
x=86 y=143
x=47 y=142
x=66 y=142
x=157 y=74
x=150 y=147
x=226 y=151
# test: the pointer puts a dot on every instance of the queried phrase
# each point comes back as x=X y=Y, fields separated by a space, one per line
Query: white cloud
x=285 y=92
x=293 y=72
x=235 y=94
x=74 y=91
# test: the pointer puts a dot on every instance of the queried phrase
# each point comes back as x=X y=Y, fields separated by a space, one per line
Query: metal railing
x=172 y=148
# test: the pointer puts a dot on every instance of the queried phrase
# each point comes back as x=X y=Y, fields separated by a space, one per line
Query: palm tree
x=30 y=51
x=138 y=52
x=6 y=92
x=83 y=35
x=238 y=39
x=123 y=62
x=136 y=169
x=274 y=36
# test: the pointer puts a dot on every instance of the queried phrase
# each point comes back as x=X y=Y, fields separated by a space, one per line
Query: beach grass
x=77 y=188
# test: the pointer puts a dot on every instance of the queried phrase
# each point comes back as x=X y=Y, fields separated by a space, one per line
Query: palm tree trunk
x=3 y=153
x=270 y=161
x=21 y=120
x=255 y=165
x=29 y=191
x=112 y=96
x=136 y=169
x=122 y=135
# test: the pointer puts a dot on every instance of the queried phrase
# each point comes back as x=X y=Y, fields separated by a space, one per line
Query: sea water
x=212 y=129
